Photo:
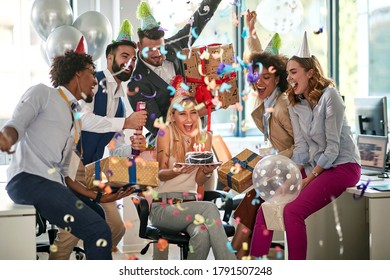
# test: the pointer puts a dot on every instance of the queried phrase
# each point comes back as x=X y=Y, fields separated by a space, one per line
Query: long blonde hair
x=178 y=149
x=316 y=84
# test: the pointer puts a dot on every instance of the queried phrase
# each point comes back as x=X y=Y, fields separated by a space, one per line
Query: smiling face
x=122 y=62
x=154 y=56
x=266 y=84
x=186 y=118
x=298 y=77
x=87 y=82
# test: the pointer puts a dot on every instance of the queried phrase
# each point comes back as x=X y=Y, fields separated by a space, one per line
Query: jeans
x=61 y=207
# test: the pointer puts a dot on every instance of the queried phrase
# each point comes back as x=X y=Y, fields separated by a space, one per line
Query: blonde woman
x=177 y=207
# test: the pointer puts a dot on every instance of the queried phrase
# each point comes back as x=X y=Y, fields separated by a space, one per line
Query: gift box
x=208 y=66
x=273 y=214
x=239 y=180
x=118 y=172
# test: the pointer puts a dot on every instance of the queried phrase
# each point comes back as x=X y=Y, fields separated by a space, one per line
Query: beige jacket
x=280 y=130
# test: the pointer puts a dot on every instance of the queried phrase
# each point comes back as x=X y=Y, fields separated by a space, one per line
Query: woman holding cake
x=177 y=207
x=270 y=116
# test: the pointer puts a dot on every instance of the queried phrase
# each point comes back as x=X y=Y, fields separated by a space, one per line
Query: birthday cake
x=199 y=157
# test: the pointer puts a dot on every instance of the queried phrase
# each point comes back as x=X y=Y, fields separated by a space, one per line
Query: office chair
x=181 y=239
x=41 y=223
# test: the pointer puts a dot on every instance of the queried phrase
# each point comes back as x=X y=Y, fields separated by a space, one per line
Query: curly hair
x=65 y=67
x=316 y=84
x=155 y=33
x=279 y=63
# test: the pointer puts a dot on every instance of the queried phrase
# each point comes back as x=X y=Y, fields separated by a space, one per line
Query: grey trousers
x=209 y=234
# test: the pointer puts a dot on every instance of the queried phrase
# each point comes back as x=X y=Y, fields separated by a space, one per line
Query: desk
x=378 y=220
x=17 y=229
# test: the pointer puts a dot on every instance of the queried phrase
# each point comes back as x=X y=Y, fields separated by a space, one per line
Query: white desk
x=378 y=220
x=17 y=229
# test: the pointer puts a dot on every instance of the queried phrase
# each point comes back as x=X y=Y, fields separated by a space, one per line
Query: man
x=44 y=129
x=153 y=73
x=101 y=119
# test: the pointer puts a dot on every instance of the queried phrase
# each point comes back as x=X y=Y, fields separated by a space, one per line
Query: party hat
x=124 y=35
x=304 y=51
x=274 y=45
x=80 y=46
x=144 y=13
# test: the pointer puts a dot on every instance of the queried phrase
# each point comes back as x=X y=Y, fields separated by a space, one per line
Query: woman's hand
x=208 y=169
x=250 y=20
x=183 y=169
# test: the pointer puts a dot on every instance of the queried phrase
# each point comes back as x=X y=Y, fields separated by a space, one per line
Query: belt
x=173 y=200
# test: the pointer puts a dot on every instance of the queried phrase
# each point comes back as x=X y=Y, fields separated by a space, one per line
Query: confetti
x=68 y=218
x=101 y=242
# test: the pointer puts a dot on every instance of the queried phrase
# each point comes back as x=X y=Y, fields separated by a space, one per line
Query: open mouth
x=294 y=85
x=261 y=90
x=188 y=127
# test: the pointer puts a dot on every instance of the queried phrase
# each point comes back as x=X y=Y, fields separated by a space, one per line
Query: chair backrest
x=143 y=214
x=220 y=149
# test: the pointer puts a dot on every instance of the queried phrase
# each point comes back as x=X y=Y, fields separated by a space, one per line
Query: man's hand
x=8 y=137
x=138 y=142
x=136 y=119
x=121 y=193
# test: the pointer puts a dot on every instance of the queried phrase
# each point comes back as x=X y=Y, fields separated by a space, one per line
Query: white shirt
x=166 y=71
x=45 y=129
x=109 y=123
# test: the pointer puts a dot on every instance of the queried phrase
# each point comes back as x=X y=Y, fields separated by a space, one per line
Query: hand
x=5 y=144
x=305 y=182
x=208 y=169
x=121 y=193
x=250 y=21
x=183 y=169
x=138 y=142
x=136 y=119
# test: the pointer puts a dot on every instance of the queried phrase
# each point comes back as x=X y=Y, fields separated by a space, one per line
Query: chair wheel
x=79 y=256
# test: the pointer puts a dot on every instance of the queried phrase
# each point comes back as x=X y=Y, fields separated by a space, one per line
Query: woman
x=271 y=117
x=324 y=149
x=177 y=207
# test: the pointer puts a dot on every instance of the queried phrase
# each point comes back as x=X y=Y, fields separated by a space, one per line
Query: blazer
x=151 y=88
x=281 y=133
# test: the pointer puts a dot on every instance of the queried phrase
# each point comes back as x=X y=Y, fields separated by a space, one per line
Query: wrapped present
x=201 y=70
x=239 y=179
x=119 y=172
x=273 y=214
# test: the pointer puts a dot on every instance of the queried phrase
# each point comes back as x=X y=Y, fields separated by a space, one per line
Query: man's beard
x=88 y=99
x=122 y=76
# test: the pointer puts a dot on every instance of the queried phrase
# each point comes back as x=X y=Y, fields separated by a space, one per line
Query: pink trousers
x=329 y=185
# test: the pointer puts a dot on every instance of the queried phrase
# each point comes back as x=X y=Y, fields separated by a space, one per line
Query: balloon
x=47 y=15
x=42 y=48
x=62 y=39
x=97 y=31
x=277 y=179
x=280 y=16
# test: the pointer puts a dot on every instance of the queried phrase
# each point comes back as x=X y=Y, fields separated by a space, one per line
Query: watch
x=98 y=197
x=315 y=173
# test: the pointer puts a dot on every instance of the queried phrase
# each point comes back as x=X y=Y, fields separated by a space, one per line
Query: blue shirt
x=322 y=135
x=44 y=124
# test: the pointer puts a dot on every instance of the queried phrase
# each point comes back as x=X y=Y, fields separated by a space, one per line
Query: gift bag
x=239 y=179
x=273 y=214
x=118 y=172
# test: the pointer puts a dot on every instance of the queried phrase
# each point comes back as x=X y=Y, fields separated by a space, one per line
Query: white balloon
x=47 y=15
x=280 y=179
x=62 y=39
x=42 y=48
x=97 y=30
x=280 y=16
